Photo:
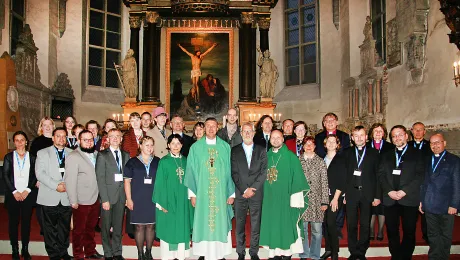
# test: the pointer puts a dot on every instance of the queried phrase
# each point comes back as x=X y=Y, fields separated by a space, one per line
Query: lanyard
x=71 y=143
x=381 y=145
x=421 y=145
x=23 y=162
x=432 y=161
x=398 y=159
x=57 y=155
x=358 y=159
x=147 y=166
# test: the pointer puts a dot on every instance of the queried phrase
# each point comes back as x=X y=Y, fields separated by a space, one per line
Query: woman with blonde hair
x=44 y=132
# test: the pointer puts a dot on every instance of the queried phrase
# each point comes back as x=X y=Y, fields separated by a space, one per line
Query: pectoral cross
x=272 y=174
x=180 y=173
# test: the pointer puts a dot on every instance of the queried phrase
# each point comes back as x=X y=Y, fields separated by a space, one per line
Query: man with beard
x=283 y=201
x=231 y=132
x=249 y=171
x=81 y=186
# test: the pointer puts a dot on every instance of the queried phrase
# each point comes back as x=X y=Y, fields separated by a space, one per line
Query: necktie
x=163 y=133
x=117 y=159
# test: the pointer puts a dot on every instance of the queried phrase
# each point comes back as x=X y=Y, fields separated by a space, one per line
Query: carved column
x=135 y=25
x=247 y=41
x=264 y=27
x=152 y=38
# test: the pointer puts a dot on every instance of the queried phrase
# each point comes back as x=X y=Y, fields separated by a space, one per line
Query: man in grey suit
x=81 y=186
x=52 y=195
x=109 y=173
x=249 y=171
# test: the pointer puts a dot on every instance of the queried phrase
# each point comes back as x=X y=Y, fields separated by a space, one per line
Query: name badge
x=357 y=173
x=396 y=172
x=118 y=177
x=147 y=181
x=61 y=170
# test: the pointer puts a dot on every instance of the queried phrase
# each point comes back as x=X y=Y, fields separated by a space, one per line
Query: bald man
x=230 y=133
x=440 y=197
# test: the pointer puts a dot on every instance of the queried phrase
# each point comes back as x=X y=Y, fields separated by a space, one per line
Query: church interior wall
x=434 y=101
x=5 y=31
x=310 y=102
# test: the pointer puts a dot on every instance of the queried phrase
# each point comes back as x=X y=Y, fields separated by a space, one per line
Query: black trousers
x=440 y=228
x=330 y=232
x=56 y=229
x=361 y=209
x=20 y=211
x=407 y=216
x=241 y=211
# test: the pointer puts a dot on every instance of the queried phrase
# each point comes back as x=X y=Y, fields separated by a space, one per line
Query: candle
x=113 y=116
x=455 y=69
x=259 y=116
x=274 y=116
x=279 y=117
x=118 y=117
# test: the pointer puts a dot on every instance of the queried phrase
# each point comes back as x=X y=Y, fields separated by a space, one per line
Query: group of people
x=183 y=189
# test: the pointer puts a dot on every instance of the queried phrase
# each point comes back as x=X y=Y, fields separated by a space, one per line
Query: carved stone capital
x=264 y=22
x=151 y=16
x=247 y=17
x=134 y=21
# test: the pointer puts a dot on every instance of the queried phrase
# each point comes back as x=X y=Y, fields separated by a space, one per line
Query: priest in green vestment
x=211 y=192
x=174 y=211
x=284 y=200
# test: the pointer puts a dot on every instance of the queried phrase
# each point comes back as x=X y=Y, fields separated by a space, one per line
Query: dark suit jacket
x=426 y=149
x=106 y=167
x=292 y=145
x=8 y=173
x=319 y=142
x=387 y=146
x=259 y=139
x=234 y=141
x=337 y=175
x=412 y=173
x=252 y=177
x=188 y=141
x=369 y=168
x=441 y=189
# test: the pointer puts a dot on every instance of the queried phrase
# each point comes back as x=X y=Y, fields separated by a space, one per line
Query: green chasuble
x=278 y=228
x=208 y=177
x=170 y=193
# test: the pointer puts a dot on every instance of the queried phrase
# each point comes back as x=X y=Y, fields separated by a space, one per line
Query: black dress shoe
x=201 y=258
x=95 y=256
x=240 y=257
x=131 y=235
x=108 y=258
x=303 y=258
x=255 y=257
x=326 y=255
x=380 y=238
x=66 y=257
x=97 y=228
x=25 y=253
x=118 y=257
x=371 y=238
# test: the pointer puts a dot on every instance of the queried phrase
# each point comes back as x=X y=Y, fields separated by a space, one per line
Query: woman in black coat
x=21 y=192
x=336 y=177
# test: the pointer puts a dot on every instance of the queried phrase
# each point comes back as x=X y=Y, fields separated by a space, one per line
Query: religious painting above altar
x=199 y=72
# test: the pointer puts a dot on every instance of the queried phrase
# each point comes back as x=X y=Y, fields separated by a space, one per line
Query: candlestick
x=118 y=117
x=113 y=116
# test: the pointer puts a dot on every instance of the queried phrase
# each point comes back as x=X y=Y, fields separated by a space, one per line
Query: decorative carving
x=200 y=6
x=151 y=17
x=336 y=13
x=264 y=22
x=451 y=10
x=367 y=31
x=62 y=87
x=12 y=98
x=134 y=21
x=271 y=3
x=26 y=57
x=197 y=22
x=415 y=49
x=268 y=74
x=393 y=44
x=129 y=74
x=247 y=17
x=62 y=16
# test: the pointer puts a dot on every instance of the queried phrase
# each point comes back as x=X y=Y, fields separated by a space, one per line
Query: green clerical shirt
x=208 y=177
x=278 y=228
x=170 y=193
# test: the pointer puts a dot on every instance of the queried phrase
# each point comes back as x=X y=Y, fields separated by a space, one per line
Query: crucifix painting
x=199 y=74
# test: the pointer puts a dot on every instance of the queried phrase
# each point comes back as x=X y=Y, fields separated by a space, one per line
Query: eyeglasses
x=88 y=140
x=398 y=136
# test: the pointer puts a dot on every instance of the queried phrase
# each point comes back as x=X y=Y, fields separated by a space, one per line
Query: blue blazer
x=441 y=189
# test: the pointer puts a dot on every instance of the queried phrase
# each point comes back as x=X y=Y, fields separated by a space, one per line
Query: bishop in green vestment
x=284 y=200
x=211 y=191
x=174 y=211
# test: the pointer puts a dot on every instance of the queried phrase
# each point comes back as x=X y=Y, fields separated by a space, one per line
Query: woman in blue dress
x=139 y=174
